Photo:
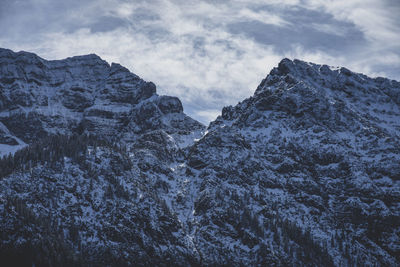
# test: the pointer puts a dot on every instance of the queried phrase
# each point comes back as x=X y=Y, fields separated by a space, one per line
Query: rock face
x=306 y=172
x=82 y=94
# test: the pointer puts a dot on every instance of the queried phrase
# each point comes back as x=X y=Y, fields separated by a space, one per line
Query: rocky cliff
x=82 y=94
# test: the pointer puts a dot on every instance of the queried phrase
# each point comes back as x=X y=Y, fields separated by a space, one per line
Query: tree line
x=51 y=150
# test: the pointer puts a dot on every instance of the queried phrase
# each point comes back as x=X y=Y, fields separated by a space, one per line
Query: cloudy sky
x=209 y=53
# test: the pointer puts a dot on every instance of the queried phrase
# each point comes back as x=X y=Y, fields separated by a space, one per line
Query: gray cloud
x=312 y=36
x=106 y=24
x=209 y=53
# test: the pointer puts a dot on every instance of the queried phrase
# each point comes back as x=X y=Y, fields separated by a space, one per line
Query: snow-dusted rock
x=79 y=94
x=306 y=172
x=315 y=148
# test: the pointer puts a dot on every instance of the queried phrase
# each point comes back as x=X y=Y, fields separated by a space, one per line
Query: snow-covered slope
x=306 y=172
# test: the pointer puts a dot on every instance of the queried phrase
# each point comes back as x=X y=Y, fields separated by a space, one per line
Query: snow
x=7 y=149
x=184 y=141
x=261 y=161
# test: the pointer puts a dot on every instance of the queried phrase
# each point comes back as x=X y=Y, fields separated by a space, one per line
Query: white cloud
x=378 y=21
x=207 y=115
x=262 y=16
x=373 y=17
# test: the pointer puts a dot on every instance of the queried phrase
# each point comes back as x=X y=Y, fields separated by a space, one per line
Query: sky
x=209 y=53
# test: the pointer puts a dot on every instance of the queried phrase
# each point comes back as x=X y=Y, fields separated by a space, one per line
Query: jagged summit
x=300 y=67
x=4 y=52
x=88 y=57
x=290 y=72
x=317 y=93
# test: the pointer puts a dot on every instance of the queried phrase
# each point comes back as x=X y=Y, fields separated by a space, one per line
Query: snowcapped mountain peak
x=331 y=80
x=313 y=91
x=11 y=54
x=81 y=93
x=300 y=67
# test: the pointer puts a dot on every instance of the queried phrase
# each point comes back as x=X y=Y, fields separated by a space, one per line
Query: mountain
x=306 y=172
x=107 y=142
x=314 y=157
x=81 y=94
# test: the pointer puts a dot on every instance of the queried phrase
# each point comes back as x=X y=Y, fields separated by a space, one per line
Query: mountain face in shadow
x=105 y=172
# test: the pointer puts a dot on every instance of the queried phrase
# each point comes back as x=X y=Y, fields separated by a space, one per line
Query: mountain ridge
x=82 y=93
x=304 y=172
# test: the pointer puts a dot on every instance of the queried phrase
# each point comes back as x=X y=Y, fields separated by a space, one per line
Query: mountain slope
x=305 y=172
x=314 y=152
x=81 y=192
